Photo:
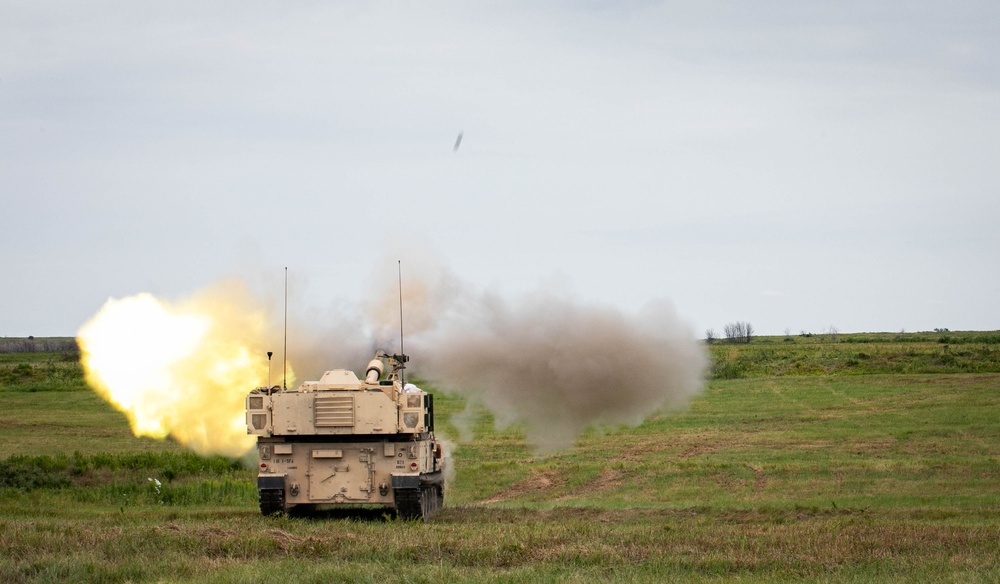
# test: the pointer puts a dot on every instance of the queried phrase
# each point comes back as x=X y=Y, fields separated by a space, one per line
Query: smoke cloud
x=547 y=361
x=559 y=366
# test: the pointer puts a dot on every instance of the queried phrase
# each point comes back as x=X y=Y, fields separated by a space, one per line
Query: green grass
x=41 y=372
x=858 y=354
x=834 y=475
x=60 y=422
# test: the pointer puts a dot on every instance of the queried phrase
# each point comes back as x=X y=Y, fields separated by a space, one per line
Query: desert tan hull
x=342 y=472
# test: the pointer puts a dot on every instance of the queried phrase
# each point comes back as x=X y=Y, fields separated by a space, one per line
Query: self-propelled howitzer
x=348 y=442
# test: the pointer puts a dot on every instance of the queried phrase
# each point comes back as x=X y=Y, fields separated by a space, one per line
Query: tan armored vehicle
x=348 y=442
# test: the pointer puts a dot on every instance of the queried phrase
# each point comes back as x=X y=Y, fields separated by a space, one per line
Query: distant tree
x=738 y=332
x=710 y=336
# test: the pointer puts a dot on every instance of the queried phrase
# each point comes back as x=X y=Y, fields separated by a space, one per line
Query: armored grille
x=258 y=421
x=334 y=410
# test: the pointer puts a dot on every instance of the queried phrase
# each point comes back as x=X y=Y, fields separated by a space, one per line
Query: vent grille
x=334 y=410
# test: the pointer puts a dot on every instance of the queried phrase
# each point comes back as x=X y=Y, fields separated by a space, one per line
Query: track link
x=272 y=501
x=418 y=503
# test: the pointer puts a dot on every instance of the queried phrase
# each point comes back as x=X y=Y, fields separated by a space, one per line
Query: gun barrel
x=374 y=371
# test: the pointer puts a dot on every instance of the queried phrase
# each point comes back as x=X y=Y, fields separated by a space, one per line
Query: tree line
x=33 y=345
x=735 y=332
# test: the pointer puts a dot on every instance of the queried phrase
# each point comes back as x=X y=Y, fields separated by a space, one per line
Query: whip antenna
x=284 y=351
x=402 y=372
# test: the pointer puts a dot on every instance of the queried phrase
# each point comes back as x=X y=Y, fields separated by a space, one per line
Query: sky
x=796 y=165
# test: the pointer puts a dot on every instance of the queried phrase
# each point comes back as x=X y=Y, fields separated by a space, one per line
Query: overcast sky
x=796 y=165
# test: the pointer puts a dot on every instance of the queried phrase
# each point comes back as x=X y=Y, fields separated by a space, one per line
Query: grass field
x=854 y=458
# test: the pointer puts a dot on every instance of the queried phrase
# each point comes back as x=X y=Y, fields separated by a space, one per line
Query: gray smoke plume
x=320 y=340
x=549 y=362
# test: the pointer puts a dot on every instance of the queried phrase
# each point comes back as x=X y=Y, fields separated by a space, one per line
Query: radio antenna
x=402 y=370
x=284 y=351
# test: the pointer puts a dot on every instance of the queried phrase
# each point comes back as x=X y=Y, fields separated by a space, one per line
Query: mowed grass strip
x=874 y=441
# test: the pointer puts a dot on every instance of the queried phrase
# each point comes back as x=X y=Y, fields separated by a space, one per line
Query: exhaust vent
x=334 y=411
